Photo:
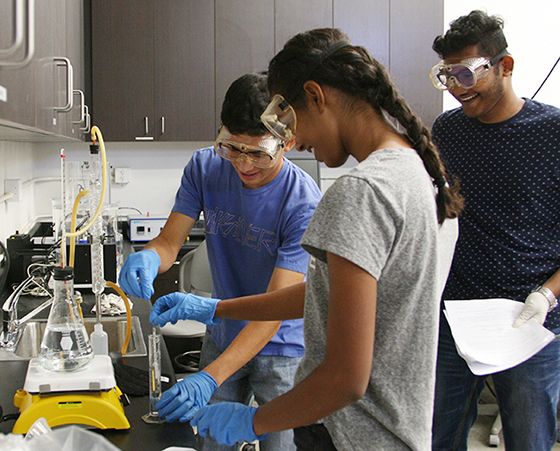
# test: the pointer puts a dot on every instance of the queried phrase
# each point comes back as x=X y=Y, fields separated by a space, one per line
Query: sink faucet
x=11 y=333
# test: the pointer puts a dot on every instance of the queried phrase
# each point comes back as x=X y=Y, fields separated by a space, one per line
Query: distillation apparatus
x=73 y=382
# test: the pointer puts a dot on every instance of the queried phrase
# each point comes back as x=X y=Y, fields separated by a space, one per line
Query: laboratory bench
x=140 y=436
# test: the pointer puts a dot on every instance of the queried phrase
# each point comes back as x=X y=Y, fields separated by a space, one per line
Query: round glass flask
x=65 y=345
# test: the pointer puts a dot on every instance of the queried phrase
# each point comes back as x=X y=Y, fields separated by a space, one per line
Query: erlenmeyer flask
x=65 y=345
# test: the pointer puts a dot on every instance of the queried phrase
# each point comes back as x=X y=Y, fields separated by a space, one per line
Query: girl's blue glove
x=175 y=306
x=183 y=400
x=227 y=422
x=138 y=273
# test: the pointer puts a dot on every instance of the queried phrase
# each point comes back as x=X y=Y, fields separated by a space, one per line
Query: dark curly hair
x=476 y=28
x=327 y=56
x=245 y=100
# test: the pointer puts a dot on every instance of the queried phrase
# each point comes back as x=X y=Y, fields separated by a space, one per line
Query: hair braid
x=449 y=202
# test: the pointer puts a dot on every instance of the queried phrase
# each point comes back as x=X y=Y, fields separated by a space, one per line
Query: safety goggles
x=280 y=118
x=263 y=155
x=466 y=74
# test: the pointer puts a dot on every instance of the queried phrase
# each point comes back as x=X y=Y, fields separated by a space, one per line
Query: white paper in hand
x=485 y=337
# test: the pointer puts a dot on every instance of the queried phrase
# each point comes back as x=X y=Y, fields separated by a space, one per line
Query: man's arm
x=169 y=241
x=254 y=335
x=553 y=283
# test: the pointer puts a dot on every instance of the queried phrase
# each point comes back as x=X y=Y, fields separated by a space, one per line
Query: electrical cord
x=545 y=78
x=130 y=208
x=7 y=417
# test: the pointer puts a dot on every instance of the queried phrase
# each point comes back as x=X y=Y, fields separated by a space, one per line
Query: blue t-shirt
x=509 y=231
x=249 y=232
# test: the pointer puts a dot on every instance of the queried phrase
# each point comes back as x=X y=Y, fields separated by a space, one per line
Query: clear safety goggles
x=262 y=155
x=280 y=118
x=465 y=74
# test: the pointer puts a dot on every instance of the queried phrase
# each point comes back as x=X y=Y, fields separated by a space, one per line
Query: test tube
x=154 y=389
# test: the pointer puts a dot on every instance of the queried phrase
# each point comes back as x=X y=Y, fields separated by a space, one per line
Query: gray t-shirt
x=382 y=217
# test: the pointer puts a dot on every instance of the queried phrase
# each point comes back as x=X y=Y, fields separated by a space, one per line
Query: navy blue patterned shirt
x=509 y=231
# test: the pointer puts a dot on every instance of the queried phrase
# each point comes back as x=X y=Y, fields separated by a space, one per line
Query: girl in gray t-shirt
x=381 y=246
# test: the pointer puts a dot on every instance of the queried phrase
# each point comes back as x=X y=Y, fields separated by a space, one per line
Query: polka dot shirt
x=509 y=231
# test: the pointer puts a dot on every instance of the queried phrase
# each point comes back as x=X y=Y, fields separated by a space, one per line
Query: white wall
x=16 y=162
x=155 y=172
x=532 y=31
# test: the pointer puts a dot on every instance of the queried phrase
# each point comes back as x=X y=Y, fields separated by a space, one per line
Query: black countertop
x=140 y=436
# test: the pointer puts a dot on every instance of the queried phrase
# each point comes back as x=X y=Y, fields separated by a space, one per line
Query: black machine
x=25 y=249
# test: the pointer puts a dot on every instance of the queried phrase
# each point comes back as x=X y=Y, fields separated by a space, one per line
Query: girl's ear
x=314 y=95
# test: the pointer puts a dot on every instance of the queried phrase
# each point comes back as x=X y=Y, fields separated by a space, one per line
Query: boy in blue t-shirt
x=257 y=205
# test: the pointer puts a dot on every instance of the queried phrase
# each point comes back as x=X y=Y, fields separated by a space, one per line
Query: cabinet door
x=75 y=52
x=244 y=41
x=295 y=16
x=49 y=76
x=184 y=70
x=366 y=22
x=16 y=84
x=123 y=68
x=414 y=25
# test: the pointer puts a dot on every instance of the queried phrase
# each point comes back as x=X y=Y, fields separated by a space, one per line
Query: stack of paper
x=485 y=337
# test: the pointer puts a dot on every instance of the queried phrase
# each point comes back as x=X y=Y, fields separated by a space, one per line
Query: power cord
x=546 y=78
x=8 y=417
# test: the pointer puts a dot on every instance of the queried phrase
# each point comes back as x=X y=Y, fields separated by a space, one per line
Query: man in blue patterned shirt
x=504 y=149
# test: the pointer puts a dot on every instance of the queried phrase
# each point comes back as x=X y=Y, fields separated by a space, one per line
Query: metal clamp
x=69 y=84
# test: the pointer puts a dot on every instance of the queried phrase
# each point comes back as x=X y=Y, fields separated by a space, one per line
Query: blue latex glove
x=227 y=422
x=183 y=400
x=175 y=306
x=138 y=273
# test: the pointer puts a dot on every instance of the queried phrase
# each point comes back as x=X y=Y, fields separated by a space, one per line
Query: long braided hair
x=326 y=56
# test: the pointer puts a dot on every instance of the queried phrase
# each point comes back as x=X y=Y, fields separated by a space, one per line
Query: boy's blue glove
x=183 y=400
x=227 y=422
x=138 y=273
x=175 y=306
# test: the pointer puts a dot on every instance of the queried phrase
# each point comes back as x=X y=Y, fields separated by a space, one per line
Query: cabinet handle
x=30 y=41
x=87 y=127
x=82 y=106
x=69 y=84
x=18 y=30
x=146 y=132
x=163 y=125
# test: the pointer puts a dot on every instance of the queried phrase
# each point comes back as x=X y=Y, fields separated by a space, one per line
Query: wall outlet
x=121 y=176
x=13 y=186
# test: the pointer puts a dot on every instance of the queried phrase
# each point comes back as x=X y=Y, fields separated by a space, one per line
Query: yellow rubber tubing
x=119 y=290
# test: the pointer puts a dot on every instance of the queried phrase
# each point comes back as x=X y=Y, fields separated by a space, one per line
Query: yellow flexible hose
x=118 y=289
x=71 y=258
x=96 y=136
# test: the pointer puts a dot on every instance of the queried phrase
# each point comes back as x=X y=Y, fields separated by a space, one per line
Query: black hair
x=326 y=56
x=245 y=100
x=476 y=28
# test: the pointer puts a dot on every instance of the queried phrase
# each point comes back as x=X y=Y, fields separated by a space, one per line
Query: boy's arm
x=254 y=335
x=169 y=241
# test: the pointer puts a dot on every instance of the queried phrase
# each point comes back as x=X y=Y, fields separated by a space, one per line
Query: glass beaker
x=65 y=345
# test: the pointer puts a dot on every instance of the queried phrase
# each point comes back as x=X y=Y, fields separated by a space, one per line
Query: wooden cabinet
x=184 y=70
x=153 y=69
x=244 y=42
x=161 y=68
x=16 y=83
x=123 y=68
x=39 y=93
x=295 y=16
